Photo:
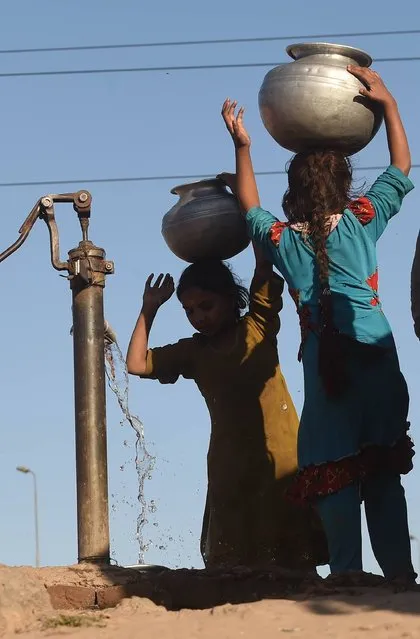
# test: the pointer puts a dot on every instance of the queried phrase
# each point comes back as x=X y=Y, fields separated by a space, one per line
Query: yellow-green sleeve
x=265 y=303
x=168 y=363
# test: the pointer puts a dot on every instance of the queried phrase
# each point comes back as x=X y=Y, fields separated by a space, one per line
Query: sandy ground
x=377 y=613
x=350 y=617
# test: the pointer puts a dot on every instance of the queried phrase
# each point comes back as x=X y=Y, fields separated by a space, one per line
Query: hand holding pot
x=229 y=179
x=374 y=86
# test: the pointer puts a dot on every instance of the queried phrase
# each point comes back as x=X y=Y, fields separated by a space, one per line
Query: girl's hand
x=375 y=88
x=158 y=293
x=234 y=124
x=229 y=179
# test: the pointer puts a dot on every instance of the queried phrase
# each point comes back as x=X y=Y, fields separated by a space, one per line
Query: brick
x=111 y=596
x=72 y=597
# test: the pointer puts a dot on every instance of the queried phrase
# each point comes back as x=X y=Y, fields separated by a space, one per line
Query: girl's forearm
x=247 y=190
x=263 y=266
x=399 y=150
x=137 y=350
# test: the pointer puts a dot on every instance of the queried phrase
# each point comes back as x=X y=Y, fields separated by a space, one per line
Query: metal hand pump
x=86 y=267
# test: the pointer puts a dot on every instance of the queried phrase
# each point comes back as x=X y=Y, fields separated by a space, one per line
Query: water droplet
x=152 y=506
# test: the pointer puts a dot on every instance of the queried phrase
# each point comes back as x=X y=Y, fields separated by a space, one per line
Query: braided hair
x=319 y=186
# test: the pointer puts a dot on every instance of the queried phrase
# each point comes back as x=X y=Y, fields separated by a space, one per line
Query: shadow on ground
x=95 y=587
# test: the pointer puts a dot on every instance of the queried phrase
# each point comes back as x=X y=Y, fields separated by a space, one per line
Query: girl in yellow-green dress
x=233 y=359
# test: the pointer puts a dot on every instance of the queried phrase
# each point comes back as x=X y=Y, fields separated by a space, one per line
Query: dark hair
x=319 y=186
x=215 y=276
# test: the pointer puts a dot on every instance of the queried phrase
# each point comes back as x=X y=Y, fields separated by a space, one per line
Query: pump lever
x=44 y=209
x=24 y=231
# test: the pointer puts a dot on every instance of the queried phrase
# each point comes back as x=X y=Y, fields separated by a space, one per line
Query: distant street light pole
x=26 y=471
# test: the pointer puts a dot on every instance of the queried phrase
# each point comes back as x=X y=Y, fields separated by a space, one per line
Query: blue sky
x=144 y=124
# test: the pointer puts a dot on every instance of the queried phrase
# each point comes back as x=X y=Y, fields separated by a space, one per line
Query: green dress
x=252 y=455
x=364 y=431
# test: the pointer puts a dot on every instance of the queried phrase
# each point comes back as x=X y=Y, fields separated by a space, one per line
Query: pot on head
x=314 y=102
x=206 y=222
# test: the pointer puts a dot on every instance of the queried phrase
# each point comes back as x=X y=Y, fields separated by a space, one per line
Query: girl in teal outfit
x=353 y=442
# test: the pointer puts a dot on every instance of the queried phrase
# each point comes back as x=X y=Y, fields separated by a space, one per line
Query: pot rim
x=359 y=55
x=206 y=182
x=145 y=567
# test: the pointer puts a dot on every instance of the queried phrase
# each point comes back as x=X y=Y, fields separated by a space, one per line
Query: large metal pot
x=206 y=222
x=314 y=102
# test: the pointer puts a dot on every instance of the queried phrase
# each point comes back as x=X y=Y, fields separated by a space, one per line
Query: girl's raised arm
x=375 y=89
x=247 y=190
x=153 y=297
x=263 y=266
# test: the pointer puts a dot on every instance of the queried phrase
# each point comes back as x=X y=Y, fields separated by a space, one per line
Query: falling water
x=117 y=375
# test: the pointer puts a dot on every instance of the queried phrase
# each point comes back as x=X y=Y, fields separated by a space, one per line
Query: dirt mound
x=78 y=600
x=23 y=599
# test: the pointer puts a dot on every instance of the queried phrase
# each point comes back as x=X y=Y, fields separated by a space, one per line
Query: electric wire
x=155 y=178
x=178 y=43
x=167 y=69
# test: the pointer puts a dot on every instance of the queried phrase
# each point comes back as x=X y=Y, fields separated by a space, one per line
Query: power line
x=178 y=43
x=155 y=178
x=192 y=67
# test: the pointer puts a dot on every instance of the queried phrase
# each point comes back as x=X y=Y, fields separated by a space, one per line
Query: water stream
x=117 y=375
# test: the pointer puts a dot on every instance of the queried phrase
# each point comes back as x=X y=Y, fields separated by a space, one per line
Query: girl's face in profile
x=208 y=312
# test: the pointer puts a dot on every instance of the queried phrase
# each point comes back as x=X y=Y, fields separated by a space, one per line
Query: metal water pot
x=206 y=222
x=314 y=102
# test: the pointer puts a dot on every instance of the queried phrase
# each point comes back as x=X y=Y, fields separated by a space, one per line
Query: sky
x=82 y=127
